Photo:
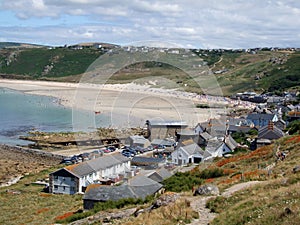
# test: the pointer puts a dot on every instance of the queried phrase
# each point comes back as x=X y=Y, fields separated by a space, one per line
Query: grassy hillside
x=275 y=201
x=237 y=71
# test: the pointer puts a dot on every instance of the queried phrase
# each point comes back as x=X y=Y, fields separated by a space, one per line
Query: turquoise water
x=21 y=113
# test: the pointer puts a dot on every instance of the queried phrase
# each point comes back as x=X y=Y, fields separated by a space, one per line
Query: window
x=55 y=187
x=55 y=177
x=73 y=189
x=72 y=179
x=64 y=188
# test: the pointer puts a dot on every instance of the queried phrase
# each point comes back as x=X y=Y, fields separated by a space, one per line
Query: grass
x=33 y=61
x=241 y=69
x=276 y=201
x=25 y=203
x=179 y=212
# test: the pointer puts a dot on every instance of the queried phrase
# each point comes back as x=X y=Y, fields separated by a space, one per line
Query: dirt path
x=198 y=203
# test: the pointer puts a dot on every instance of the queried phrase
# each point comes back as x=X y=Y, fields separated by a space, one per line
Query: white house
x=188 y=154
x=75 y=178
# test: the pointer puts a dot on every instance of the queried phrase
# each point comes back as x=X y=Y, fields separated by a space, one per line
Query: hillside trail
x=198 y=203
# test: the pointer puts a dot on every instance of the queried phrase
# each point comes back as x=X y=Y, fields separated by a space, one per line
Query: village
x=136 y=166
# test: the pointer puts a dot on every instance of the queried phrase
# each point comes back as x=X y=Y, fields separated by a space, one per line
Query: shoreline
x=132 y=101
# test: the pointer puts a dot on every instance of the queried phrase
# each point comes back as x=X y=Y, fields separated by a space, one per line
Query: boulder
x=296 y=169
x=207 y=189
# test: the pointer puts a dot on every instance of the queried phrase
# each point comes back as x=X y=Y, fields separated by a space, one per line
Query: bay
x=21 y=113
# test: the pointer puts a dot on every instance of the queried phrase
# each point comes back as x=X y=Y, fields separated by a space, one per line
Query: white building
x=75 y=178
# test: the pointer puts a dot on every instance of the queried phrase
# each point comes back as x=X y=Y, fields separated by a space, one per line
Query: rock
x=296 y=169
x=207 y=189
x=165 y=199
x=287 y=212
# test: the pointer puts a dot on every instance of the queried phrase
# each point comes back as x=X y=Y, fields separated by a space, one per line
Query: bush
x=212 y=173
x=294 y=127
x=182 y=182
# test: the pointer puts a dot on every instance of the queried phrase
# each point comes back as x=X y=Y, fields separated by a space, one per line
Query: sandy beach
x=131 y=103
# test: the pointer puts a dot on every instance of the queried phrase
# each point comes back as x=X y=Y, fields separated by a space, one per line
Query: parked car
x=127 y=154
x=111 y=148
x=106 y=151
x=98 y=151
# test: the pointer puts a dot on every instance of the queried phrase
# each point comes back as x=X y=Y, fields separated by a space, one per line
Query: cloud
x=217 y=23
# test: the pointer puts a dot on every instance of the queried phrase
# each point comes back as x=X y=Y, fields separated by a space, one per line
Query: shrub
x=182 y=182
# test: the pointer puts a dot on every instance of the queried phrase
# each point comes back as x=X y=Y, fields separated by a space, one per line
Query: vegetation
x=102 y=206
x=182 y=182
x=236 y=71
x=294 y=127
x=275 y=201
x=179 y=213
x=27 y=203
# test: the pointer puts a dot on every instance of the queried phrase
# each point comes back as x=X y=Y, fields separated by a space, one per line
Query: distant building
x=75 y=178
x=270 y=132
x=262 y=119
x=164 y=129
x=137 y=141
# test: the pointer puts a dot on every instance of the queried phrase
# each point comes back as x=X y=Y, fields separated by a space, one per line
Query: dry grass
x=25 y=203
x=274 y=202
x=179 y=212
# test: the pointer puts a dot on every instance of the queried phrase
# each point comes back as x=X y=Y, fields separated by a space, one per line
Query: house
x=75 y=178
x=239 y=125
x=187 y=154
x=281 y=124
x=262 y=119
x=159 y=175
x=204 y=138
x=270 y=132
x=137 y=141
x=219 y=148
x=163 y=129
x=216 y=127
x=199 y=129
x=137 y=187
x=187 y=134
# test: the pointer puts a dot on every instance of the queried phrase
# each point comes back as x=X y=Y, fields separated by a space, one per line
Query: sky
x=182 y=23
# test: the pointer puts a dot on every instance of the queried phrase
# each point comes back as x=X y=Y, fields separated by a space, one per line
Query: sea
x=21 y=113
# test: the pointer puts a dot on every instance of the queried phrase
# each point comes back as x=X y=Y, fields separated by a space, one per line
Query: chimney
x=270 y=125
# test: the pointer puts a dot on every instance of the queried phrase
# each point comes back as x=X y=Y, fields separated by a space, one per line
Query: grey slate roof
x=187 y=132
x=212 y=145
x=138 y=139
x=105 y=193
x=230 y=142
x=266 y=133
x=206 y=136
x=140 y=160
x=260 y=116
x=192 y=149
x=137 y=187
x=160 y=175
x=97 y=164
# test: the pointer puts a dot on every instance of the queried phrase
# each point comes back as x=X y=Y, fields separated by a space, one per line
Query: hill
x=274 y=200
x=259 y=70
